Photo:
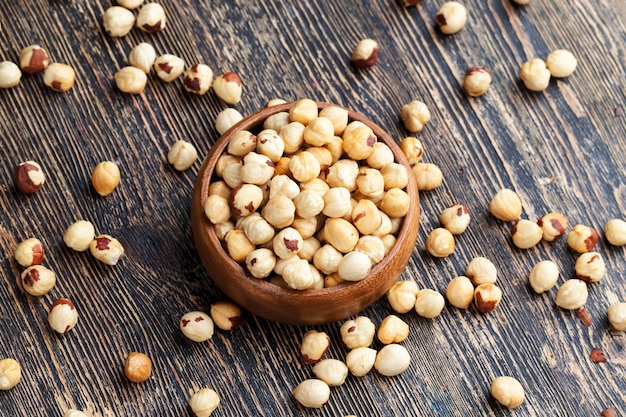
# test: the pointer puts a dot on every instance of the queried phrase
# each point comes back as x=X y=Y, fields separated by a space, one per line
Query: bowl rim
x=251 y=123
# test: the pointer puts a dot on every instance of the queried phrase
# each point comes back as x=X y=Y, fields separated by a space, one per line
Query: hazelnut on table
x=118 y=21
x=10 y=373
x=198 y=79
x=105 y=177
x=572 y=295
x=590 y=267
x=38 y=280
x=535 y=75
x=10 y=74
x=142 y=56
x=553 y=225
x=455 y=218
x=392 y=360
x=130 y=4
x=440 y=243
x=358 y=332
x=360 y=360
x=182 y=155
x=561 y=63
x=615 y=232
x=314 y=346
x=392 y=330
x=476 y=81
x=460 y=292
x=228 y=87
x=137 y=367
x=59 y=77
x=203 y=402
x=169 y=67
x=151 y=18
x=29 y=177
x=365 y=53
x=131 y=80
x=412 y=148
x=196 y=326
x=451 y=17
x=34 y=59
x=62 y=315
x=415 y=115
x=106 y=249
x=582 y=238
x=226 y=315
x=481 y=270
x=332 y=371
x=526 y=234
x=506 y=205
x=507 y=391
x=74 y=413
x=29 y=252
x=226 y=119
x=543 y=276
x=429 y=303
x=79 y=235
x=487 y=296
x=312 y=393
x=617 y=316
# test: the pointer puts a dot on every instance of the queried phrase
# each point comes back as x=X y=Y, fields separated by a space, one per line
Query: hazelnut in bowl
x=305 y=213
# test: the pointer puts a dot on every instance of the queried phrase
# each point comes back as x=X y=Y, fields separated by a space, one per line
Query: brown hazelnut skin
x=29 y=177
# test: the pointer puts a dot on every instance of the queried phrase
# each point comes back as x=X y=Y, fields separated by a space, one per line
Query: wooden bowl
x=288 y=306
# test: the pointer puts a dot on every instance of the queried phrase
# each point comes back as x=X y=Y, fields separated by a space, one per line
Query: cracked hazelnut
x=572 y=295
x=131 y=80
x=182 y=155
x=79 y=235
x=415 y=115
x=487 y=297
x=203 y=402
x=476 y=81
x=553 y=225
x=106 y=249
x=34 y=59
x=228 y=87
x=507 y=391
x=151 y=18
x=10 y=373
x=29 y=252
x=29 y=177
x=314 y=346
x=38 y=280
x=365 y=53
x=169 y=67
x=10 y=74
x=105 y=177
x=118 y=21
x=137 y=367
x=142 y=56
x=590 y=267
x=226 y=315
x=62 y=315
x=196 y=326
x=451 y=17
x=198 y=79
x=582 y=238
x=535 y=75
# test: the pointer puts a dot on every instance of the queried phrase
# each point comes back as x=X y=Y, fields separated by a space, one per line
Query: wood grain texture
x=561 y=150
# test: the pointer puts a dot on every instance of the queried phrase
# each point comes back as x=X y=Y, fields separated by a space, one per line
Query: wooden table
x=562 y=150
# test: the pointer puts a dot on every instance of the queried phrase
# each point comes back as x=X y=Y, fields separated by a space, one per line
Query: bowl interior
x=289 y=306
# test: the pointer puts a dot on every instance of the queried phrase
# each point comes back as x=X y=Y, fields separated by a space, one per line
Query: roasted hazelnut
x=131 y=80
x=392 y=330
x=168 y=67
x=487 y=297
x=440 y=243
x=34 y=59
x=365 y=53
x=319 y=131
x=381 y=155
x=298 y=274
x=196 y=326
x=343 y=173
x=481 y=270
x=261 y=262
x=304 y=166
x=451 y=17
x=10 y=74
x=476 y=81
x=118 y=21
x=341 y=234
x=29 y=252
x=535 y=75
x=303 y=111
x=182 y=155
x=238 y=245
x=59 y=77
x=38 y=280
x=228 y=87
x=582 y=238
x=506 y=205
x=395 y=203
x=553 y=225
x=460 y=292
x=226 y=119
x=217 y=209
x=412 y=149
x=226 y=315
x=526 y=234
x=354 y=266
x=203 y=402
x=455 y=218
x=314 y=346
x=10 y=373
x=561 y=63
x=79 y=235
x=142 y=56
x=332 y=371
x=137 y=367
x=338 y=117
x=105 y=177
x=415 y=115
x=507 y=391
x=151 y=18
x=572 y=295
x=402 y=296
x=543 y=276
x=62 y=315
x=427 y=175
x=106 y=249
x=395 y=176
x=590 y=267
x=615 y=232
x=29 y=177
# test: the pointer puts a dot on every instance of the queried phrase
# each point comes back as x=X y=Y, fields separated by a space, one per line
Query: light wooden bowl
x=288 y=306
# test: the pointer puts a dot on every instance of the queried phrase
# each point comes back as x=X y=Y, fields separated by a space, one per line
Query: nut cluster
x=477 y=285
x=81 y=236
x=34 y=60
x=118 y=21
x=301 y=200
x=536 y=73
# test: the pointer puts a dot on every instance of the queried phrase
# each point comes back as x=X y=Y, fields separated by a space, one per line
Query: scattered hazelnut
x=226 y=119
x=526 y=234
x=617 y=316
x=34 y=59
x=196 y=326
x=74 y=413
x=151 y=18
x=476 y=81
x=38 y=280
x=131 y=80
x=608 y=412
x=118 y=21
x=590 y=267
x=130 y=4
x=429 y=303
x=106 y=249
x=79 y=235
x=332 y=371
x=582 y=238
x=615 y=232
x=10 y=74
x=415 y=115
x=543 y=276
x=451 y=17
x=59 y=77
x=561 y=63
x=460 y=292
x=481 y=270
x=62 y=315
x=182 y=155
x=455 y=218
x=402 y=296
x=553 y=225
x=365 y=53
x=29 y=252
x=105 y=177
x=572 y=295
x=29 y=177
x=360 y=360
x=535 y=75
x=142 y=56
x=427 y=175
x=440 y=243
x=198 y=79
x=412 y=149
x=507 y=391
x=487 y=297
x=10 y=373
x=506 y=205
x=226 y=315
x=204 y=402
x=392 y=330
x=168 y=67
x=137 y=367
x=314 y=346
x=312 y=393
x=228 y=87
x=358 y=332
x=392 y=360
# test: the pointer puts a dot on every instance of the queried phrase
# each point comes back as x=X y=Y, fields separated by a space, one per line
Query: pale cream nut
x=182 y=155
x=402 y=296
x=151 y=18
x=572 y=295
x=455 y=218
x=481 y=270
x=142 y=56
x=460 y=292
x=361 y=360
x=429 y=303
x=535 y=75
x=226 y=315
x=415 y=115
x=526 y=234
x=10 y=74
x=615 y=232
x=314 y=346
x=196 y=326
x=10 y=373
x=228 y=87
x=332 y=371
x=582 y=238
x=118 y=21
x=451 y=17
x=354 y=266
x=507 y=391
x=198 y=79
x=131 y=80
x=38 y=280
x=130 y=4
x=358 y=332
x=74 y=413
x=203 y=402
x=79 y=235
x=303 y=111
x=543 y=276
x=590 y=267
x=506 y=205
x=392 y=330
x=392 y=360
x=59 y=77
x=106 y=249
x=312 y=393
x=29 y=252
x=428 y=176
x=440 y=242
x=62 y=315
x=476 y=81
x=617 y=316
x=561 y=63
x=168 y=67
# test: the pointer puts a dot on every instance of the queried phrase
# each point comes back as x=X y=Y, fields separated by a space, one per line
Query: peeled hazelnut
x=62 y=315
x=365 y=53
x=440 y=243
x=392 y=360
x=168 y=67
x=204 y=402
x=429 y=303
x=10 y=74
x=358 y=332
x=476 y=81
x=487 y=297
x=402 y=296
x=535 y=75
x=360 y=360
x=59 y=77
x=590 y=267
x=451 y=17
x=392 y=330
x=182 y=155
x=10 y=373
x=553 y=225
x=151 y=18
x=34 y=59
x=226 y=315
x=526 y=234
x=38 y=280
x=226 y=119
x=481 y=270
x=427 y=175
x=197 y=79
x=331 y=371
x=131 y=80
x=137 y=367
x=543 y=276
x=29 y=252
x=582 y=238
x=615 y=232
x=506 y=205
x=455 y=218
x=312 y=393
x=460 y=292
x=130 y=4
x=106 y=249
x=105 y=177
x=572 y=295
x=617 y=316
x=314 y=346
x=29 y=177
x=79 y=235
x=507 y=391
x=412 y=148
x=415 y=115
x=196 y=326
x=142 y=56
x=561 y=63
x=118 y=21
x=228 y=87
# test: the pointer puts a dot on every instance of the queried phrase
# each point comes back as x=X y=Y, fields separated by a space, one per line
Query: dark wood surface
x=563 y=149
